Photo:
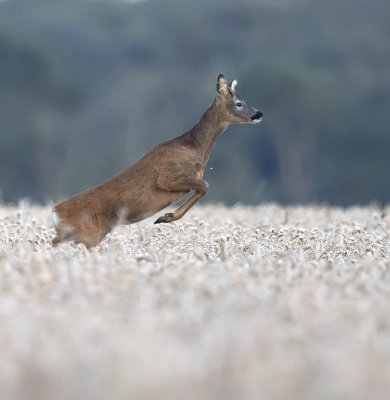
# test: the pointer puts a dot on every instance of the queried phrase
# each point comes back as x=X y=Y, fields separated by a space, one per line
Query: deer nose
x=258 y=115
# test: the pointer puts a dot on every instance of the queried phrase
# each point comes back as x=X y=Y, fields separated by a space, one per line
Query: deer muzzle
x=257 y=117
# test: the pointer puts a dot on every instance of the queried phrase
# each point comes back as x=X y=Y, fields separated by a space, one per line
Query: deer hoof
x=165 y=218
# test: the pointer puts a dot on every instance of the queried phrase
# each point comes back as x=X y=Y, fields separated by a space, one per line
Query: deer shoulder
x=180 y=163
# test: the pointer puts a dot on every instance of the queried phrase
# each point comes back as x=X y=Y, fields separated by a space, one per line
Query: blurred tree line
x=86 y=87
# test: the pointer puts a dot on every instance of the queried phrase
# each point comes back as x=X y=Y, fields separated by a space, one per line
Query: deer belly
x=151 y=206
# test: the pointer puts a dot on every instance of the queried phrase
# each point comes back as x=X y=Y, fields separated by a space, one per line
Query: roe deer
x=161 y=177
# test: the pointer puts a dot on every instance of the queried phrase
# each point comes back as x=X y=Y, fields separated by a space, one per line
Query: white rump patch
x=55 y=218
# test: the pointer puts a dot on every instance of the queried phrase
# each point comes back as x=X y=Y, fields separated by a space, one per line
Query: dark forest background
x=86 y=87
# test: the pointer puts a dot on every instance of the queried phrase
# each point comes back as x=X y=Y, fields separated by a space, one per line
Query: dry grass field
x=227 y=303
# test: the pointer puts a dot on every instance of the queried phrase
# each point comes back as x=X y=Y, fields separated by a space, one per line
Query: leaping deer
x=161 y=177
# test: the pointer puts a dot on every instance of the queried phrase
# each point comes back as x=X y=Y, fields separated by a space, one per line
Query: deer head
x=232 y=108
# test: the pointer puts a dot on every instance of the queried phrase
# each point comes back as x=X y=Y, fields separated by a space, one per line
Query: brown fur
x=161 y=177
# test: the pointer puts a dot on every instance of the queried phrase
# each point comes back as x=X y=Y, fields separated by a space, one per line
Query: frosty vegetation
x=227 y=303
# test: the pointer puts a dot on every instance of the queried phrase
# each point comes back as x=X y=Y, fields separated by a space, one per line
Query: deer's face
x=234 y=110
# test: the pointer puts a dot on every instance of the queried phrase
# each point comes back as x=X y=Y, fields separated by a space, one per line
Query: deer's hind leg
x=91 y=232
x=87 y=230
x=184 y=185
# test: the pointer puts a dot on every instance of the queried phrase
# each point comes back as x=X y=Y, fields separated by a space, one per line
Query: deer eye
x=238 y=104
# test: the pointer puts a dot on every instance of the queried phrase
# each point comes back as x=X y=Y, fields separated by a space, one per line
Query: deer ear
x=232 y=86
x=222 y=86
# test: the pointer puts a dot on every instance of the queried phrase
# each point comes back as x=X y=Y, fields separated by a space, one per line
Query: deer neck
x=206 y=132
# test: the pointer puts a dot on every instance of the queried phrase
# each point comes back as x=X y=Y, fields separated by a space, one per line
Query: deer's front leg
x=188 y=184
